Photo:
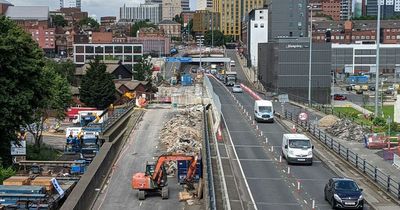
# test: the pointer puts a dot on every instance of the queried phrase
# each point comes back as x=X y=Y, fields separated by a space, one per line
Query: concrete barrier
x=88 y=188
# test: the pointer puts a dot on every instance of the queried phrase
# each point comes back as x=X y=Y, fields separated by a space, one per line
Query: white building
x=257 y=32
x=204 y=4
x=70 y=3
x=147 y=11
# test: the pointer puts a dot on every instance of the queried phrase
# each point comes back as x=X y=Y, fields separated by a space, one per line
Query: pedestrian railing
x=373 y=172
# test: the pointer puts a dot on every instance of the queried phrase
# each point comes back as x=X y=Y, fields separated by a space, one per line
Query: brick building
x=45 y=37
x=170 y=28
x=150 y=32
x=187 y=16
x=108 y=20
x=204 y=20
x=102 y=37
x=4 y=6
x=347 y=32
x=331 y=8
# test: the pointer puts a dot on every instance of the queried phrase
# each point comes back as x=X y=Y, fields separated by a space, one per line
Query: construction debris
x=182 y=134
x=327 y=121
x=184 y=196
x=347 y=130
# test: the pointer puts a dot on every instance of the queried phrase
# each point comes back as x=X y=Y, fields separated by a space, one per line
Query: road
x=169 y=67
x=141 y=147
x=268 y=179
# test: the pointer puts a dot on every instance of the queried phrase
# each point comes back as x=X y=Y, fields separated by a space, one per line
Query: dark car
x=359 y=91
x=344 y=193
x=371 y=88
x=339 y=97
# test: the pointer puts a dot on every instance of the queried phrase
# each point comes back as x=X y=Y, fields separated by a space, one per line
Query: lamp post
x=310 y=59
x=378 y=37
x=200 y=42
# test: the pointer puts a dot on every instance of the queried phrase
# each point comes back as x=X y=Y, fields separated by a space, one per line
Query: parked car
x=344 y=193
x=237 y=89
x=339 y=97
x=371 y=88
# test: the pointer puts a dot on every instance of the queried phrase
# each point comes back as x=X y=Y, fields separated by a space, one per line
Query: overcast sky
x=96 y=8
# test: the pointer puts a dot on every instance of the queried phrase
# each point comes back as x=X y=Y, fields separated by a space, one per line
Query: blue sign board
x=179 y=59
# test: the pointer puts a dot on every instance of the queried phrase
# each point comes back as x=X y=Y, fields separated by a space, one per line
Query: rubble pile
x=327 y=121
x=182 y=134
x=347 y=130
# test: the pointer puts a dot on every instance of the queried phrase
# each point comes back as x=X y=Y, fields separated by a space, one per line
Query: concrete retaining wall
x=87 y=189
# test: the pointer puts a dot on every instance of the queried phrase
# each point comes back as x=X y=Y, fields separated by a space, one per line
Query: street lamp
x=310 y=57
x=378 y=37
x=200 y=42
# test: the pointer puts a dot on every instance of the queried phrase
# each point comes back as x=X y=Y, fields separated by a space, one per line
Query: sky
x=96 y=8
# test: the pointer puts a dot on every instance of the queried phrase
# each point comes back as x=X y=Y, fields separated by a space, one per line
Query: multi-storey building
x=205 y=20
x=389 y=8
x=147 y=11
x=45 y=37
x=232 y=13
x=187 y=16
x=204 y=4
x=184 y=4
x=70 y=3
x=331 y=8
x=171 y=8
x=170 y=28
x=126 y=53
x=257 y=32
x=108 y=20
x=350 y=32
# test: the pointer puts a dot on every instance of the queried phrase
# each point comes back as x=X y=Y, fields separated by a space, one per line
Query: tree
x=140 y=24
x=143 y=70
x=59 y=20
x=89 y=22
x=228 y=38
x=55 y=102
x=64 y=68
x=218 y=36
x=21 y=91
x=97 y=88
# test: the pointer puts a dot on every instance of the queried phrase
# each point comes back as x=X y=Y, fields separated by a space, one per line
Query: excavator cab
x=150 y=166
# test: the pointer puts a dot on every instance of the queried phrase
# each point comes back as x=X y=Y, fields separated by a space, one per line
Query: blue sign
x=179 y=59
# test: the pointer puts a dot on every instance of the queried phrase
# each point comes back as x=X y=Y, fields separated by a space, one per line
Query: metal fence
x=374 y=173
x=210 y=179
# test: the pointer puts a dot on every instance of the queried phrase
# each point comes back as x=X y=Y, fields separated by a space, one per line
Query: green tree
x=64 y=68
x=142 y=70
x=59 y=20
x=21 y=91
x=56 y=101
x=140 y=24
x=89 y=22
x=228 y=38
x=218 y=36
x=190 y=27
x=97 y=88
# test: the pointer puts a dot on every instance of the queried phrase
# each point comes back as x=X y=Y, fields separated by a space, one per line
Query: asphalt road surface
x=270 y=184
x=142 y=146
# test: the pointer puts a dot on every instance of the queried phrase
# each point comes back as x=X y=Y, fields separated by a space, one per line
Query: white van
x=232 y=63
x=263 y=111
x=297 y=148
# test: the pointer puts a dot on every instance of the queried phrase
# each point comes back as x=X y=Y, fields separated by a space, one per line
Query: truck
x=230 y=78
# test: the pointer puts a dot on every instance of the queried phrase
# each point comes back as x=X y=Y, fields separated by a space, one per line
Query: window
x=261 y=17
x=261 y=12
x=262 y=25
x=255 y=25
x=387 y=37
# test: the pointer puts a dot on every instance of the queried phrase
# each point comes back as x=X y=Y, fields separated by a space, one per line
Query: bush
x=6 y=173
x=41 y=153
x=379 y=121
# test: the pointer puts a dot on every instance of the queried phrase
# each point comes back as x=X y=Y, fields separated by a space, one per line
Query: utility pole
x=310 y=59
x=212 y=29
x=378 y=37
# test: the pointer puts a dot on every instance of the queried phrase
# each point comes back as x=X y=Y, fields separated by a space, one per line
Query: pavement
x=372 y=156
x=142 y=146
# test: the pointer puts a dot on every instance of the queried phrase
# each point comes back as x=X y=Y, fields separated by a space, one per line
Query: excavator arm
x=157 y=175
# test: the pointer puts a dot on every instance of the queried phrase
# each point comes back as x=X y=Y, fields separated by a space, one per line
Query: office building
x=204 y=4
x=70 y=3
x=147 y=11
x=108 y=20
x=257 y=32
x=184 y=4
x=361 y=58
x=288 y=18
x=171 y=8
x=232 y=13
x=283 y=67
x=205 y=20
x=389 y=8
x=127 y=53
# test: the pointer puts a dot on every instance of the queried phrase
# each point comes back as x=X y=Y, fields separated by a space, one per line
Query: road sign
x=179 y=59
x=303 y=116
x=283 y=98
x=18 y=148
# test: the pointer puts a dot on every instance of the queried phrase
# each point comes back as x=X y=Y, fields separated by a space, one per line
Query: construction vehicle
x=154 y=180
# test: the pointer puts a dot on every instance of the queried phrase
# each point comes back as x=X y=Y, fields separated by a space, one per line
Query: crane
x=155 y=177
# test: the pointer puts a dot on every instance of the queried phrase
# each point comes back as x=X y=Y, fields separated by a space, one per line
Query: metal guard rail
x=373 y=172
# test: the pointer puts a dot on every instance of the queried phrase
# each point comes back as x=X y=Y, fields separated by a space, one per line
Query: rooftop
x=167 y=22
x=28 y=13
x=5 y=2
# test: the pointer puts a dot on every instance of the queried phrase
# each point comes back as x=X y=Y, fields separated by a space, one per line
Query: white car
x=237 y=89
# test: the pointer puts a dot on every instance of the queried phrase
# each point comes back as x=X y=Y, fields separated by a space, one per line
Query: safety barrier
x=210 y=180
x=396 y=160
x=373 y=172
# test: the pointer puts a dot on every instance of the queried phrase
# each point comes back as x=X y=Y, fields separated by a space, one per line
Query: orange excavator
x=154 y=180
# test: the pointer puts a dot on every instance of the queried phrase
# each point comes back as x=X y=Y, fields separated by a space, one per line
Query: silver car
x=237 y=89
